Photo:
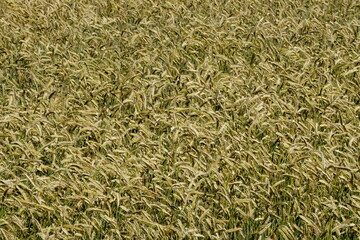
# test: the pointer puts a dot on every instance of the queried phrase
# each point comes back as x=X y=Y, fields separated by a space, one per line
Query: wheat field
x=154 y=119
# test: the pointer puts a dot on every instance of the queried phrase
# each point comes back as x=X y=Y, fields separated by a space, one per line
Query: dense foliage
x=194 y=119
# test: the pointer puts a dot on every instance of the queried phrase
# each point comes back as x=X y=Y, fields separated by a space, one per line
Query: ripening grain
x=179 y=119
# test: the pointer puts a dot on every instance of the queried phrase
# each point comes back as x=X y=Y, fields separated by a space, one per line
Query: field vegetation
x=192 y=119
